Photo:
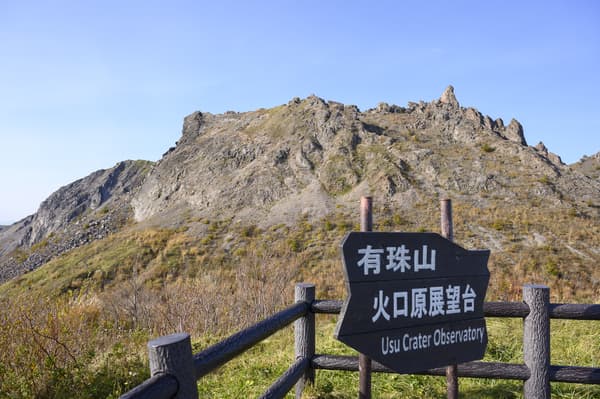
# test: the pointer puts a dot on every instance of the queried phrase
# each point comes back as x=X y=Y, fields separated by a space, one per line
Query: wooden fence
x=175 y=370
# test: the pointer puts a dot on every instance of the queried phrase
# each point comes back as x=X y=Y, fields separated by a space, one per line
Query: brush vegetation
x=247 y=204
x=78 y=326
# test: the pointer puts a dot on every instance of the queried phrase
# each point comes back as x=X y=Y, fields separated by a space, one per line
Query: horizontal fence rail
x=218 y=354
x=470 y=369
x=492 y=370
x=158 y=387
x=573 y=311
x=497 y=309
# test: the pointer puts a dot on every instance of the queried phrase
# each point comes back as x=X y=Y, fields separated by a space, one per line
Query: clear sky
x=85 y=84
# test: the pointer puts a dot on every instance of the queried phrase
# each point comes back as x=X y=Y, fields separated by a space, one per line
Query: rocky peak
x=78 y=213
x=541 y=148
x=448 y=97
x=514 y=132
x=85 y=195
x=268 y=165
x=308 y=157
x=192 y=123
x=315 y=101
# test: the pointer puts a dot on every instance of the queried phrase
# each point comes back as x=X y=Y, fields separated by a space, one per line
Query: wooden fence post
x=447 y=228
x=172 y=355
x=536 y=341
x=304 y=335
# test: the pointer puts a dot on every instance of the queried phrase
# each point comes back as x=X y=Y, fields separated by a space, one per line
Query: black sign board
x=415 y=300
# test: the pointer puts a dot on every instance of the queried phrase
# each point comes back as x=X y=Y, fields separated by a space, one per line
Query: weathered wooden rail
x=170 y=378
x=494 y=370
x=174 y=370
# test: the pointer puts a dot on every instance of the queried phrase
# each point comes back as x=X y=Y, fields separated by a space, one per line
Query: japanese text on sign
x=425 y=301
x=398 y=258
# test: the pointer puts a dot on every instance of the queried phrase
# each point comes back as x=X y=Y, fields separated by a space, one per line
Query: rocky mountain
x=81 y=212
x=309 y=156
x=307 y=159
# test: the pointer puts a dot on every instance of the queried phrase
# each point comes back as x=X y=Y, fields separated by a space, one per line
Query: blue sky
x=85 y=84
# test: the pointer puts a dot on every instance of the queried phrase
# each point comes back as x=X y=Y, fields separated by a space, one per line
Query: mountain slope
x=79 y=213
x=589 y=166
x=308 y=161
x=310 y=155
x=212 y=237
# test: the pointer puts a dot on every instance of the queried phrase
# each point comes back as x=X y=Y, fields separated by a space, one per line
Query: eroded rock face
x=589 y=166
x=269 y=165
x=244 y=163
x=305 y=158
x=541 y=148
x=81 y=212
x=71 y=202
x=514 y=132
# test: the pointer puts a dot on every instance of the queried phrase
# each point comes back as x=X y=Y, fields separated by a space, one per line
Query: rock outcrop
x=514 y=132
x=448 y=97
x=541 y=148
x=303 y=159
x=81 y=212
x=309 y=156
x=589 y=166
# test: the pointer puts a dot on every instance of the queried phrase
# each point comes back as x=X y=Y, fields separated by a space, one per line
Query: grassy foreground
x=104 y=359
x=78 y=326
x=573 y=343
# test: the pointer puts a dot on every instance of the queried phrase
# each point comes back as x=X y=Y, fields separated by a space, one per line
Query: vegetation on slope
x=246 y=204
x=106 y=299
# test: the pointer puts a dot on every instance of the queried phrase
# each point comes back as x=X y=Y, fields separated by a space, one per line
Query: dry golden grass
x=106 y=299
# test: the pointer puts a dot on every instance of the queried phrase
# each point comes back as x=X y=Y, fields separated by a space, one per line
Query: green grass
x=113 y=258
x=250 y=374
x=172 y=273
x=573 y=343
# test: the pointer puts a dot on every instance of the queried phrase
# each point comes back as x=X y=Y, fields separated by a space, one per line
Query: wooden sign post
x=447 y=228
x=415 y=300
x=364 y=362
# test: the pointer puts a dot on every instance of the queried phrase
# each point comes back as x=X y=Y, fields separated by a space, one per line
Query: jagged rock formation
x=514 y=132
x=541 y=148
x=85 y=210
x=310 y=155
x=589 y=166
x=448 y=97
x=306 y=158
